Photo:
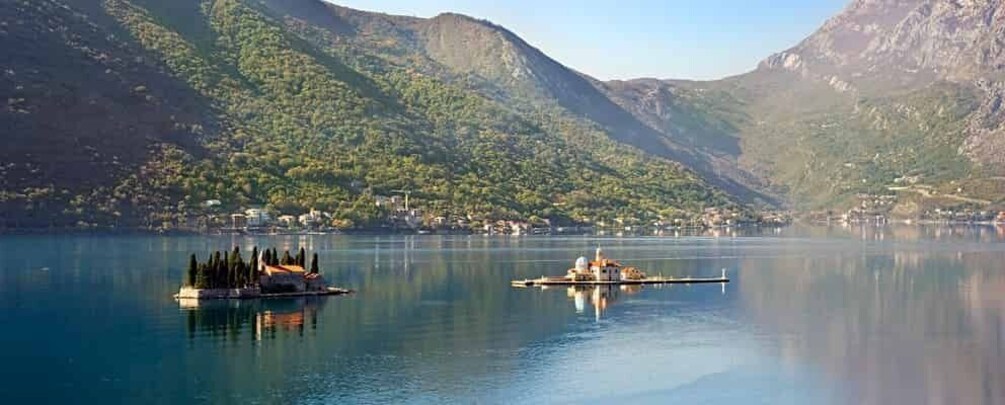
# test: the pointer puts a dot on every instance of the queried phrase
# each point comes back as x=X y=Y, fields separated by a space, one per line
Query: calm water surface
x=899 y=315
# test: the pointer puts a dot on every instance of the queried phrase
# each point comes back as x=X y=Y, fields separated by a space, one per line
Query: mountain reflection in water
x=916 y=324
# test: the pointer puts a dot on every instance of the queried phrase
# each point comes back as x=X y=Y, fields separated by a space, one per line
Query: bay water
x=907 y=315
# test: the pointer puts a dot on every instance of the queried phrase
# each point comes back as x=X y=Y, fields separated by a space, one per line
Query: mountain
x=489 y=59
x=902 y=43
x=890 y=97
x=84 y=111
x=132 y=113
x=917 y=84
x=883 y=46
x=135 y=112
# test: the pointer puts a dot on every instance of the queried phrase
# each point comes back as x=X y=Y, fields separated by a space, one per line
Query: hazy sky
x=678 y=39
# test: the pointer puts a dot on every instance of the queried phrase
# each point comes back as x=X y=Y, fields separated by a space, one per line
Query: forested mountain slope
x=134 y=112
x=158 y=106
x=490 y=60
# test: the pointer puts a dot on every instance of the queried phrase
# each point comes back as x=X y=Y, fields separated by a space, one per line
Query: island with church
x=605 y=271
x=266 y=274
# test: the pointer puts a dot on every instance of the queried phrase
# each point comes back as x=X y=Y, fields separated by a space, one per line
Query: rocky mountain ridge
x=829 y=118
x=879 y=47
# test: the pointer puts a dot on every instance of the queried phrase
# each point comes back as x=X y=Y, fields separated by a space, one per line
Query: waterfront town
x=400 y=214
x=886 y=209
x=918 y=204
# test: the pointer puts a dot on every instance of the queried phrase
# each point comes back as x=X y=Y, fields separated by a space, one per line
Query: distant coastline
x=637 y=231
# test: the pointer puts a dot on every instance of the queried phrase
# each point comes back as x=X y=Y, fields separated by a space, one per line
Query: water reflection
x=599 y=297
x=253 y=319
x=912 y=326
x=902 y=232
x=916 y=315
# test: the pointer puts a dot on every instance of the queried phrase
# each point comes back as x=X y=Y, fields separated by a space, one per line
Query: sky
x=626 y=39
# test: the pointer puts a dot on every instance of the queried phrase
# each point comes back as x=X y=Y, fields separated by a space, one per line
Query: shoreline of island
x=226 y=275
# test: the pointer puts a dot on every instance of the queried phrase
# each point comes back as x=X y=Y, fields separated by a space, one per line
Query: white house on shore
x=257 y=217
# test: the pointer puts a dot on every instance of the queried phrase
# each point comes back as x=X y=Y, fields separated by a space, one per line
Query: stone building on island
x=227 y=275
x=289 y=278
x=602 y=269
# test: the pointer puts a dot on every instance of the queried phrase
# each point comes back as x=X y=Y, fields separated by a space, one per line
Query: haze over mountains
x=145 y=108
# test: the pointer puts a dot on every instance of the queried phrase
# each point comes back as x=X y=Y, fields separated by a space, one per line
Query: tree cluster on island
x=229 y=270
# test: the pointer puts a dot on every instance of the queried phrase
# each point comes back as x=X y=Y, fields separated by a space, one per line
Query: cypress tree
x=252 y=274
x=206 y=272
x=218 y=274
x=253 y=261
x=267 y=257
x=193 y=268
x=302 y=258
x=228 y=269
x=253 y=267
x=200 y=277
x=238 y=268
x=236 y=271
x=209 y=271
x=314 y=264
x=275 y=257
x=235 y=258
x=241 y=274
x=287 y=259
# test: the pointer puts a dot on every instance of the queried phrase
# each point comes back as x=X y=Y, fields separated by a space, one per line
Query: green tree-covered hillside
x=134 y=112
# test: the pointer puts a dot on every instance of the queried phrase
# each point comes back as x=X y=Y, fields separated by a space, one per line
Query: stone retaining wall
x=217 y=293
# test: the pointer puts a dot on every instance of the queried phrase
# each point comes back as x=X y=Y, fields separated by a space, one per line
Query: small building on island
x=289 y=278
x=227 y=275
x=602 y=269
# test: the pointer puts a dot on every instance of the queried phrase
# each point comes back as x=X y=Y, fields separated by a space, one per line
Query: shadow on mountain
x=85 y=108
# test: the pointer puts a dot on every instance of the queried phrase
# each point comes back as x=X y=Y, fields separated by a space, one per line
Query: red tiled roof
x=284 y=269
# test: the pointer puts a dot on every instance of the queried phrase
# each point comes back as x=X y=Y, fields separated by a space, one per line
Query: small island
x=266 y=274
x=604 y=271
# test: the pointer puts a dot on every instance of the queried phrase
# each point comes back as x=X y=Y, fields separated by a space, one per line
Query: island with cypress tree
x=265 y=274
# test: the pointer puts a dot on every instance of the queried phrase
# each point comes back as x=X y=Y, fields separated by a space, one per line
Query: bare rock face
x=957 y=40
x=844 y=40
x=877 y=47
x=474 y=46
x=985 y=142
